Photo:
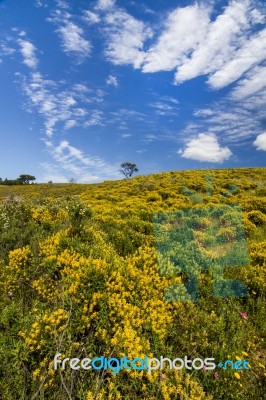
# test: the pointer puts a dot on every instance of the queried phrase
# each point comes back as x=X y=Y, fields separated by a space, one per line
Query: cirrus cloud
x=73 y=40
x=28 y=52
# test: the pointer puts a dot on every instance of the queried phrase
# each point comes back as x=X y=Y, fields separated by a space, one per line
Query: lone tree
x=25 y=179
x=72 y=180
x=128 y=169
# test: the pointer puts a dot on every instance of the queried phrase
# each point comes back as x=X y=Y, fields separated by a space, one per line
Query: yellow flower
x=36 y=373
x=89 y=396
x=237 y=375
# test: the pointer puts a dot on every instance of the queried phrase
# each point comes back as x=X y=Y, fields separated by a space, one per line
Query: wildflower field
x=80 y=276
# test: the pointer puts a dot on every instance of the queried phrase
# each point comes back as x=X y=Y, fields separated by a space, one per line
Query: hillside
x=91 y=270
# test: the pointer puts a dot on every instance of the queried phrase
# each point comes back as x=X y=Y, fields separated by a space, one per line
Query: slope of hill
x=85 y=271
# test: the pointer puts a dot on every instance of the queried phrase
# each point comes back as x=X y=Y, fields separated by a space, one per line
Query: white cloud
x=163 y=108
x=63 y=4
x=192 y=42
x=221 y=39
x=228 y=49
x=205 y=148
x=184 y=29
x=203 y=112
x=96 y=118
x=73 y=40
x=126 y=37
x=80 y=87
x=72 y=36
x=105 y=4
x=91 y=17
x=250 y=54
x=28 y=52
x=5 y=50
x=253 y=83
x=260 y=142
x=39 y=3
x=70 y=124
x=170 y=99
x=112 y=81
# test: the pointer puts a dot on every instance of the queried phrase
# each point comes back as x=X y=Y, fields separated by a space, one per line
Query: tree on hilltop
x=128 y=169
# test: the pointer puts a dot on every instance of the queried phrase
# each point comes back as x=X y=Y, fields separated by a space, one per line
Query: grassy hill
x=86 y=271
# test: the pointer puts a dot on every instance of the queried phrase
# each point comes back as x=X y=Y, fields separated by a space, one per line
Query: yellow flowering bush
x=16 y=273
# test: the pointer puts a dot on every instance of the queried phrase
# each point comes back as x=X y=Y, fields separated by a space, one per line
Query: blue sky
x=169 y=85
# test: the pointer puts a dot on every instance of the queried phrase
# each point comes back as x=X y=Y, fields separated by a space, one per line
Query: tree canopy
x=25 y=179
x=128 y=169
